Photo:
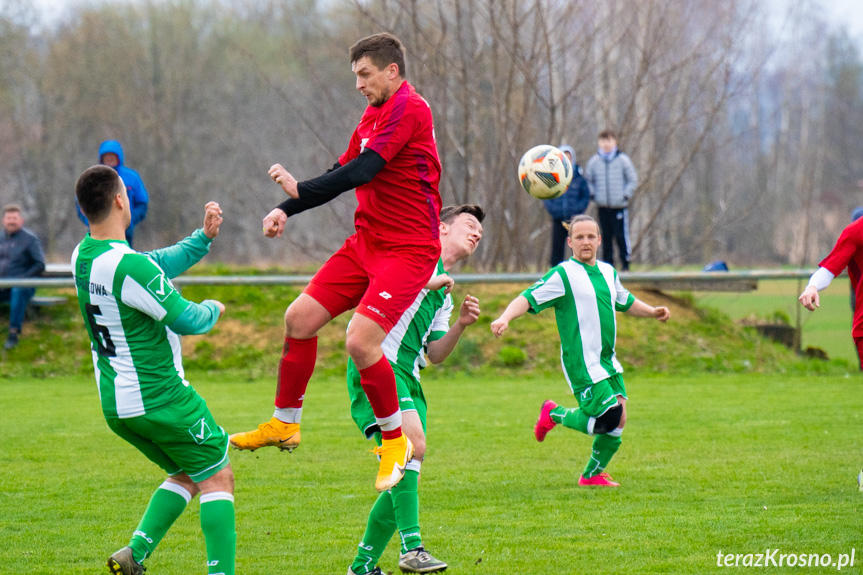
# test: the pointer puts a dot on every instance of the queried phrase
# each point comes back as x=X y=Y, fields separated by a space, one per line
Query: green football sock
x=379 y=530
x=604 y=448
x=166 y=504
x=406 y=508
x=572 y=418
x=220 y=532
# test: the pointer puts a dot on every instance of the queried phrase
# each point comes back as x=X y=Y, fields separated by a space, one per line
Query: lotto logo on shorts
x=385 y=295
x=377 y=311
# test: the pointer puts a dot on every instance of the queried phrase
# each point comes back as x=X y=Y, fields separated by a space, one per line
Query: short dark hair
x=382 y=50
x=11 y=208
x=581 y=218
x=450 y=213
x=96 y=189
x=607 y=135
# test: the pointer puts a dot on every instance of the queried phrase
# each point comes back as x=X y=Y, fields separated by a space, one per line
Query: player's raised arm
x=440 y=349
x=545 y=293
x=315 y=192
x=516 y=308
x=176 y=259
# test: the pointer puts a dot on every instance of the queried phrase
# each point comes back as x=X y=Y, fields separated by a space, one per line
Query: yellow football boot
x=394 y=454
x=285 y=436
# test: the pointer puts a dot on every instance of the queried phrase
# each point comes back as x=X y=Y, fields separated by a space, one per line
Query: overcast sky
x=849 y=12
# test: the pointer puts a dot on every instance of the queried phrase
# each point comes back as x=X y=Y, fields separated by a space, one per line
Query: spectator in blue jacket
x=572 y=203
x=20 y=257
x=111 y=155
x=612 y=179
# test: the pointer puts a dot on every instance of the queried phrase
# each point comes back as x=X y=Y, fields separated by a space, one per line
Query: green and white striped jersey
x=584 y=299
x=127 y=300
x=427 y=319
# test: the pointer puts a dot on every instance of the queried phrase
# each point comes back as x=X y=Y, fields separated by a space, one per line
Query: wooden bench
x=57 y=271
x=36 y=304
x=40 y=302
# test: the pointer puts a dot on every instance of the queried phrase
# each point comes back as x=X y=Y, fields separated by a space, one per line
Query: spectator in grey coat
x=572 y=203
x=612 y=179
x=20 y=257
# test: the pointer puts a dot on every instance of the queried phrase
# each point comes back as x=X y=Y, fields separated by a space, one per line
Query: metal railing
x=672 y=281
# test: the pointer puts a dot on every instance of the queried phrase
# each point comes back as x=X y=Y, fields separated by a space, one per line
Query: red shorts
x=379 y=278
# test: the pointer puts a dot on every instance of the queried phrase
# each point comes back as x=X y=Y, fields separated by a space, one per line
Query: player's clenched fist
x=441 y=281
x=219 y=305
x=284 y=178
x=469 y=312
x=212 y=219
x=274 y=223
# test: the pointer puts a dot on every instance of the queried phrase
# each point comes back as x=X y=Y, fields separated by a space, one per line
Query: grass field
x=731 y=463
x=828 y=327
x=697 y=340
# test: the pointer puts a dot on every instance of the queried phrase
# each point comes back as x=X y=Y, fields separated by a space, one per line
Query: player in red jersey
x=392 y=162
x=848 y=252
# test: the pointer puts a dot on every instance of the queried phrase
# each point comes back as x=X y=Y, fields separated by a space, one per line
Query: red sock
x=295 y=371
x=379 y=383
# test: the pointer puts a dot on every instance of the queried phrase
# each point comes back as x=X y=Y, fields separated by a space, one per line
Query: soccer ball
x=544 y=172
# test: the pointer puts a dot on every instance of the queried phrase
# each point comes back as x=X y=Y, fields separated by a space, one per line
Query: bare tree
x=733 y=128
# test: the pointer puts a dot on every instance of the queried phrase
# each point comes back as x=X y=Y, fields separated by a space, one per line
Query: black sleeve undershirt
x=333 y=182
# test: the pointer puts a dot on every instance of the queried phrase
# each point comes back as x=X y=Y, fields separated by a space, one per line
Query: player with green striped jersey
x=425 y=321
x=422 y=329
x=134 y=316
x=127 y=299
x=585 y=294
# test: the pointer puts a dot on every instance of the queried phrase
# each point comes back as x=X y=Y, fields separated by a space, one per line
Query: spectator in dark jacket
x=572 y=203
x=612 y=180
x=20 y=257
x=111 y=155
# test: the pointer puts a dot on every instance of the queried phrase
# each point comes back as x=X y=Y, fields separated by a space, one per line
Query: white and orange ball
x=544 y=172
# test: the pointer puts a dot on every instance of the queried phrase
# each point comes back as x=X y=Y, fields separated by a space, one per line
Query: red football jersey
x=402 y=201
x=848 y=252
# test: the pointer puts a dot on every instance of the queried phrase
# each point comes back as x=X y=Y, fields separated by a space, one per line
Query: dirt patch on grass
x=232 y=332
x=681 y=310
